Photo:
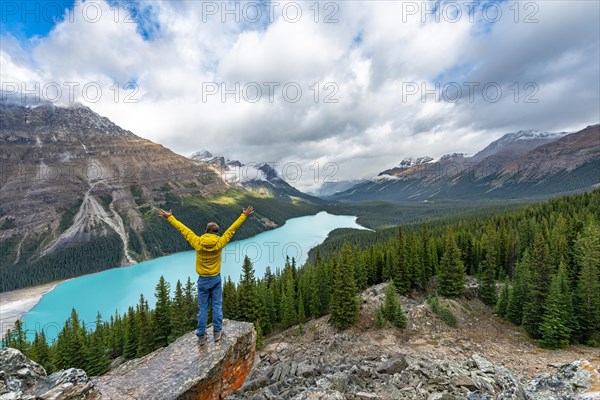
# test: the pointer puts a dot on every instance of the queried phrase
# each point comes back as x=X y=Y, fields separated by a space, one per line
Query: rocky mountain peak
x=410 y=162
x=202 y=155
x=56 y=122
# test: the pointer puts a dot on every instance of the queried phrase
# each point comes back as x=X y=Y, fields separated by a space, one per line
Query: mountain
x=330 y=188
x=260 y=178
x=518 y=164
x=79 y=194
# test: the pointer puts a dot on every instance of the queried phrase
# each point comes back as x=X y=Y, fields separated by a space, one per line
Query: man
x=208 y=266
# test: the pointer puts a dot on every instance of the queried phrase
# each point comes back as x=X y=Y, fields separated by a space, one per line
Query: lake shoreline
x=16 y=303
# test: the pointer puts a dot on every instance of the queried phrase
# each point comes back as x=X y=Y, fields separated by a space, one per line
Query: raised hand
x=165 y=214
x=248 y=211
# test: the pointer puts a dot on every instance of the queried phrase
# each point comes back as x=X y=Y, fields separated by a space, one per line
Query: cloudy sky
x=345 y=88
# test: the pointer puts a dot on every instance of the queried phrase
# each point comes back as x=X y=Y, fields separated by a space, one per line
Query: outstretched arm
x=226 y=237
x=187 y=233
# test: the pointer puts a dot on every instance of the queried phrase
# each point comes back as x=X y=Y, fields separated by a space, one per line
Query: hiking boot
x=202 y=339
x=217 y=336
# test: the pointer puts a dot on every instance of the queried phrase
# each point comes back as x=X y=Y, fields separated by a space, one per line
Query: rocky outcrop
x=21 y=378
x=182 y=371
x=330 y=372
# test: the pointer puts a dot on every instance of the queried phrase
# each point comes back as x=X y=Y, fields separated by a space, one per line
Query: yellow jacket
x=208 y=246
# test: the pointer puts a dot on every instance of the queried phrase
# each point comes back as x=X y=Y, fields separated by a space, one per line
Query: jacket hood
x=208 y=241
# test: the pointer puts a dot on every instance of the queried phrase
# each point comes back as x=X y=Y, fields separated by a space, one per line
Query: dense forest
x=539 y=266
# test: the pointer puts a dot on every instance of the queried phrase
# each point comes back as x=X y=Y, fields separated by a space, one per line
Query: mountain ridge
x=562 y=163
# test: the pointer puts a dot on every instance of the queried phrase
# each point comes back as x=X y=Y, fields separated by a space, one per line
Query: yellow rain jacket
x=208 y=246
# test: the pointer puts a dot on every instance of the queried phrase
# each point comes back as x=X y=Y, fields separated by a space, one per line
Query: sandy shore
x=15 y=303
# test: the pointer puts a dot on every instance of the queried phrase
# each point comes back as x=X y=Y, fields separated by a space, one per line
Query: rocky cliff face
x=182 y=371
x=56 y=160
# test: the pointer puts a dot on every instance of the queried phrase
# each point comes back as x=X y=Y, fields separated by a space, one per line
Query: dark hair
x=212 y=227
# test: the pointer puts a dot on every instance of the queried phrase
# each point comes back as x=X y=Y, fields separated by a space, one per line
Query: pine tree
x=17 y=338
x=426 y=256
x=162 y=314
x=178 y=325
x=144 y=328
x=391 y=309
x=502 y=304
x=488 y=268
x=264 y=315
x=76 y=342
x=131 y=335
x=541 y=275
x=555 y=327
x=400 y=274
x=40 y=352
x=390 y=304
x=260 y=339
x=288 y=302
x=360 y=272
x=452 y=270
x=344 y=302
x=379 y=318
x=400 y=320
x=116 y=336
x=301 y=313
x=314 y=305
x=519 y=293
x=247 y=294
x=61 y=357
x=230 y=300
x=191 y=305
x=97 y=361
x=587 y=254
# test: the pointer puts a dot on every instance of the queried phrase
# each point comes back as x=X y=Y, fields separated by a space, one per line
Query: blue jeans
x=210 y=291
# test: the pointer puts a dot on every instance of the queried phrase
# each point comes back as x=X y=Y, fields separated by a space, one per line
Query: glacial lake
x=120 y=288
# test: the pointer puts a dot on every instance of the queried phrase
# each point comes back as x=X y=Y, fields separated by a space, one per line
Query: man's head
x=212 y=227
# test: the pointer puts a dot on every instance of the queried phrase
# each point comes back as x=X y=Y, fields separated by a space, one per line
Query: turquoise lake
x=120 y=288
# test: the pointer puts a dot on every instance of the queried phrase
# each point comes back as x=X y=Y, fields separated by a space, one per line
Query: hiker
x=208 y=266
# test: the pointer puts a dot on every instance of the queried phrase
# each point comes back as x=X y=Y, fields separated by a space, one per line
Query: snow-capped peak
x=410 y=162
x=533 y=134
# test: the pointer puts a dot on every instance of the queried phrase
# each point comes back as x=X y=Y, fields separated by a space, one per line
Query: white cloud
x=367 y=59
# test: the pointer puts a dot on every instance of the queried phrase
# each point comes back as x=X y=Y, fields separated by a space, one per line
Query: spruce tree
x=17 y=338
x=452 y=270
x=390 y=304
x=488 y=268
x=314 y=305
x=97 y=361
x=76 y=342
x=178 y=325
x=61 y=354
x=401 y=275
x=555 y=327
x=40 y=352
x=301 y=313
x=247 y=294
x=519 y=294
x=191 y=305
x=131 y=335
x=587 y=300
x=344 y=303
x=162 y=314
x=502 y=305
x=230 y=300
x=144 y=329
x=379 y=318
x=541 y=276
x=288 y=302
